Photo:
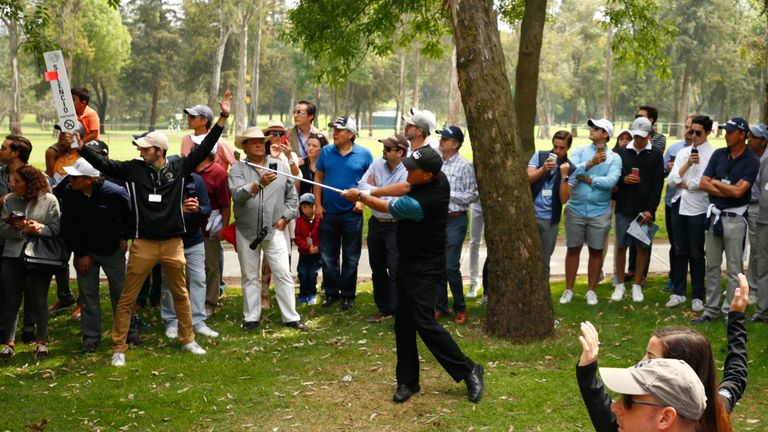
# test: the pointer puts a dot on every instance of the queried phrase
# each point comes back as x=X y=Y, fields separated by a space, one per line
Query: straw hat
x=251 y=132
x=273 y=124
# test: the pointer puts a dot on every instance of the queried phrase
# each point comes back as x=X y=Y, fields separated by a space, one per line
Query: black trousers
x=415 y=314
x=28 y=285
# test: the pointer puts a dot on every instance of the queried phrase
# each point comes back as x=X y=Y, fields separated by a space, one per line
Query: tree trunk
x=527 y=74
x=764 y=105
x=370 y=110
x=575 y=115
x=544 y=110
x=685 y=92
x=416 y=74
x=241 y=115
x=317 y=105
x=14 y=115
x=401 y=96
x=255 y=73
x=102 y=100
x=607 y=108
x=224 y=31
x=155 y=96
x=454 y=96
x=516 y=267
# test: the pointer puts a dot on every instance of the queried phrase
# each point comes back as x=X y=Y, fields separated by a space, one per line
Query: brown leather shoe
x=461 y=317
x=440 y=315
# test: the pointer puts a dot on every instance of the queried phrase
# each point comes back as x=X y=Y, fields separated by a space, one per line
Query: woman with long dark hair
x=29 y=211
x=683 y=344
x=315 y=142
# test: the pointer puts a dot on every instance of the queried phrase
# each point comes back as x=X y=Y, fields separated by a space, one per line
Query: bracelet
x=223 y=115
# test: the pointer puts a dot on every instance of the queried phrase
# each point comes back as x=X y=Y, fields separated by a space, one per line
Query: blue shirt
x=341 y=172
x=406 y=208
x=382 y=176
x=542 y=204
x=672 y=152
x=591 y=200
x=722 y=167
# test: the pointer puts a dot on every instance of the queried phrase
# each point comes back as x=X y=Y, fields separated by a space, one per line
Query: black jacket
x=731 y=387
x=156 y=220
x=95 y=224
x=632 y=199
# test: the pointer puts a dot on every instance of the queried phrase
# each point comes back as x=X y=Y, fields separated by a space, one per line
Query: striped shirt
x=461 y=176
x=379 y=175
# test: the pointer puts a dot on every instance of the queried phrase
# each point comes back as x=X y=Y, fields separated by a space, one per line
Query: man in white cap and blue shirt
x=342 y=166
x=588 y=214
x=657 y=395
x=96 y=227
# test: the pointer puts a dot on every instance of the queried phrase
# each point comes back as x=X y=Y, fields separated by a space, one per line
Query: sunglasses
x=299 y=112
x=277 y=133
x=696 y=132
x=628 y=402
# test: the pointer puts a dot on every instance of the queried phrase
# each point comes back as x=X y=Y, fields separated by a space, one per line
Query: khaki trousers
x=145 y=254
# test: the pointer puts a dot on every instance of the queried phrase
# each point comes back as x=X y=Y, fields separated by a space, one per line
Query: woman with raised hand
x=684 y=344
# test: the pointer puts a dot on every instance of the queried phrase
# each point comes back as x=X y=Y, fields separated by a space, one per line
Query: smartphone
x=672 y=158
x=273 y=166
x=191 y=190
x=639 y=219
x=694 y=151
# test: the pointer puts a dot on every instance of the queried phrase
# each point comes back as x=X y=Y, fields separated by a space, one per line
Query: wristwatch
x=224 y=115
x=566 y=178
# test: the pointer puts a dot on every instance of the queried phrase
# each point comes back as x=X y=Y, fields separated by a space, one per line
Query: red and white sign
x=62 y=95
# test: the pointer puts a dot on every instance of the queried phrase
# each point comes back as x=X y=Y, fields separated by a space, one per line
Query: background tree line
x=143 y=60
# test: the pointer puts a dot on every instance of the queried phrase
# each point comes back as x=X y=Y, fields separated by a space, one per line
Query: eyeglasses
x=277 y=133
x=299 y=112
x=628 y=402
x=696 y=132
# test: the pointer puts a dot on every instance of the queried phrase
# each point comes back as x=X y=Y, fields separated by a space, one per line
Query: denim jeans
x=456 y=231
x=195 y=272
x=689 y=232
x=341 y=234
x=383 y=257
x=307 y=270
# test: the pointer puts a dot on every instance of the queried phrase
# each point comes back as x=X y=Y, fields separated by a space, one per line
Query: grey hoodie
x=279 y=199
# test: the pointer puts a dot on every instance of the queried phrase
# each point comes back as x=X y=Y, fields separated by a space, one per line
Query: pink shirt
x=225 y=156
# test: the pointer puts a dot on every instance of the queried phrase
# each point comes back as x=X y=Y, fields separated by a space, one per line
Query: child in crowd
x=308 y=242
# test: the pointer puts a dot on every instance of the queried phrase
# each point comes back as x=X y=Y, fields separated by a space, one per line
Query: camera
x=259 y=238
x=190 y=190
x=273 y=166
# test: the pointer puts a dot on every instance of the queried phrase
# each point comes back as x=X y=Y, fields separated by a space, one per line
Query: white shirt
x=693 y=201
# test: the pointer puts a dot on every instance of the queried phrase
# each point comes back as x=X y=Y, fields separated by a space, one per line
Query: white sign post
x=62 y=95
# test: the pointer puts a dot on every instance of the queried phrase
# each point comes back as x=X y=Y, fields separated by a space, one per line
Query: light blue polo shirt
x=341 y=172
x=591 y=200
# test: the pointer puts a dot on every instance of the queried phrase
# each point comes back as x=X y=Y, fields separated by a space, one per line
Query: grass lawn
x=339 y=376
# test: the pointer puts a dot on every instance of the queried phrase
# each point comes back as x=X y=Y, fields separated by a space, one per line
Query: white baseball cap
x=82 y=168
x=603 y=124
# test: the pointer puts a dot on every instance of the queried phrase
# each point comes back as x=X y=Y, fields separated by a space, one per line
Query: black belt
x=730 y=214
x=386 y=220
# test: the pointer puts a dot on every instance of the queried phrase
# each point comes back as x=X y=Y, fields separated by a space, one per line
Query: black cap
x=735 y=124
x=399 y=141
x=99 y=147
x=425 y=158
x=452 y=132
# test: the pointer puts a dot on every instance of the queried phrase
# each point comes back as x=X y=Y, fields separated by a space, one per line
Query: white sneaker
x=637 y=294
x=618 y=292
x=566 y=297
x=194 y=348
x=591 y=298
x=118 y=359
x=675 y=300
x=697 y=305
x=472 y=293
x=203 y=329
x=172 y=331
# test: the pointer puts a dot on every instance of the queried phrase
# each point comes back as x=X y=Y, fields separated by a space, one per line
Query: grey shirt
x=277 y=200
x=44 y=210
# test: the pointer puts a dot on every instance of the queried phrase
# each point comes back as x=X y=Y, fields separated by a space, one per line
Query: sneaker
x=591 y=298
x=697 y=305
x=312 y=300
x=76 y=314
x=7 y=351
x=566 y=297
x=461 y=317
x=209 y=311
x=118 y=359
x=41 y=350
x=302 y=300
x=618 y=292
x=193 y=348
x=637 y=294
x=203 y=329
x=675 y=301
x=472 y=293
x=172 y=331
x=440 y=315
x=298 y=325
x=249 y=326
x=61 y=305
